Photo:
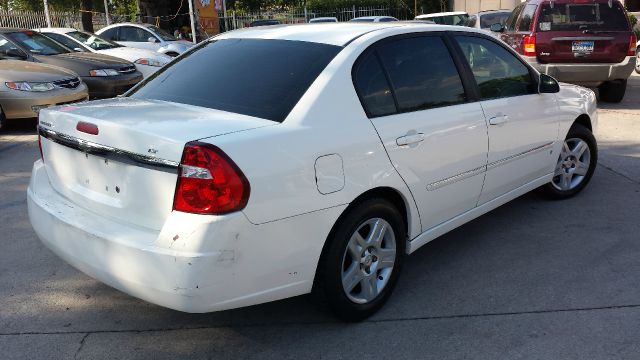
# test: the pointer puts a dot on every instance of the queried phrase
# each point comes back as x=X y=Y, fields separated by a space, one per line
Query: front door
x=523 y=124
x=435 y=137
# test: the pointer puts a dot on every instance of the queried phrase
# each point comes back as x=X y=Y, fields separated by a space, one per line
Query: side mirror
x=152 y=39
x=15 y=53
x=497 y=27
x=548 y=85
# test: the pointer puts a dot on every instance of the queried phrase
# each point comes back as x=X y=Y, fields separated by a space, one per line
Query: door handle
x=410 y=139
x=499 y=119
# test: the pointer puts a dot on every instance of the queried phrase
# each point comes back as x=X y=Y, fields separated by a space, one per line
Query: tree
x=86 y=6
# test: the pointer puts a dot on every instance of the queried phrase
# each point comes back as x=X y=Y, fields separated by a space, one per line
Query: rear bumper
x=102 y=87
x=22 y=104
x=194 y=264
x=586 y=74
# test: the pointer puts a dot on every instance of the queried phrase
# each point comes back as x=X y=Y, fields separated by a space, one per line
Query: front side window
x=527 y=17
x=264 y=78
x=584 y=16
x=111 y=34
x=37 y=43
x=422 y=73
x=497 y=72
x=134 y=34
x=373 y=88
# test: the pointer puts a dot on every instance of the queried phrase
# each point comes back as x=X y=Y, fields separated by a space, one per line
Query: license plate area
x=582 y=47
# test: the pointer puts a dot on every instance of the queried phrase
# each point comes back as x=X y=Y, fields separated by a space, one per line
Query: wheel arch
x=383 y=192
x=584 y=120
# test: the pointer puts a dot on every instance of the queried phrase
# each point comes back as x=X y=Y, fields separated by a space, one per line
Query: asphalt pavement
x=533 y=279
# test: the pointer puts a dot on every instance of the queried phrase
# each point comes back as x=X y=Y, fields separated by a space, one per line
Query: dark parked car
x=588 y=43
x=105 y=76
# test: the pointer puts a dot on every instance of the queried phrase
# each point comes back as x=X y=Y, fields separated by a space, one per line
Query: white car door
x=523 y=124
x=437 y=140
x=138 y=38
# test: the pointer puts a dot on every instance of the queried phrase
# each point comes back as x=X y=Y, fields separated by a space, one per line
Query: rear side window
x=583 y=16
x=373 y=88
x=486 y=20
x=130 y=33
x=510 y=24
x=64 y=40
x=498 y=72
x=264 y=78
x=527 y=17
x=111 y=34
x=422 y=73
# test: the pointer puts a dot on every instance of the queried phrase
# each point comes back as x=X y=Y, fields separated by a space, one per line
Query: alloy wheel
x=573 y=164
x=368 y=260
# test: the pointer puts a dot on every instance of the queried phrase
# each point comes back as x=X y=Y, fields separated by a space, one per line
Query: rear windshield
x=486 y=20
x=580 y=17
x=257 y=77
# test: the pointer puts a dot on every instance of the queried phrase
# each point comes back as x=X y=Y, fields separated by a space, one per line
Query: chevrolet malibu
x=359 y=144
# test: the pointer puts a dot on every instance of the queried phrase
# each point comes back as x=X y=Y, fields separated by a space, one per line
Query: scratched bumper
x=194 y=263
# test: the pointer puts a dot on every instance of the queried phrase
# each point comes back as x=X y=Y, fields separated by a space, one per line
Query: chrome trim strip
x=454 y=179
x=467 y=174
x=109 y=152
x=511 y=158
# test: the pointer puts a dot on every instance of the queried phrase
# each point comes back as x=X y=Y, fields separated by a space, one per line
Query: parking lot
x=534 y=279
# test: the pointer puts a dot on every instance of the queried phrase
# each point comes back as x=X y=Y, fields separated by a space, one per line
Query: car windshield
x=486 y=20
x=264 y=78
x=583 y=16
x=161 y=33
x=37 y=44
x=93 y=41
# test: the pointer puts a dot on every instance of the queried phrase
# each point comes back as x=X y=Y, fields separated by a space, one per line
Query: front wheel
x=576 y=163
x=363 y=260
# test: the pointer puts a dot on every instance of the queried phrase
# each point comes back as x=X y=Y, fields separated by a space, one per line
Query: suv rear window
x=264 y=78
x=583 y=16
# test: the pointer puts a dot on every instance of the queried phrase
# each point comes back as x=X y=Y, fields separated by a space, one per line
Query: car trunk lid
x=119 y=157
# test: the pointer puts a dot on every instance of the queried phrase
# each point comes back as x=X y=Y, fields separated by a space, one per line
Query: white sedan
x=146 y=61
x=145 y=36
x=360 y=143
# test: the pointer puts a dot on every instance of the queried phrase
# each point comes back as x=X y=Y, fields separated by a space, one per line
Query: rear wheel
x=363 y=260
x=613 y=91
x=576 y=163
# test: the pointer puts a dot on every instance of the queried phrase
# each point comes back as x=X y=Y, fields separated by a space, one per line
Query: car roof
x=373 y=17
x=57 y=30
x=493 y=11
x=423 y=16
x=339 y=34
x=144 y=25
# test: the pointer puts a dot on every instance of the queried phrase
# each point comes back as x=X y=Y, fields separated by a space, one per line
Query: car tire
x=576 y=164
x=3 y=120
x=613 y=91
x=638 y=61
x=357 y=274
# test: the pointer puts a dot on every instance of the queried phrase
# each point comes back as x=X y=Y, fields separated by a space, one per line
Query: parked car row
x=54 y=66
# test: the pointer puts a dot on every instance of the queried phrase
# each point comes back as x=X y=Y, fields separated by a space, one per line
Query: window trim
x=535 y=75
x=468 y=86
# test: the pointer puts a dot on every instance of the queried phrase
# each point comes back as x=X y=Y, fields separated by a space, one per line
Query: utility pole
x=46 y=13
x=415 y=8
x=193 y=21
x=106 y=12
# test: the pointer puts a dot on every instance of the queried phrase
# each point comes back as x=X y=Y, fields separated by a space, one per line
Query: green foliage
x=633 y=20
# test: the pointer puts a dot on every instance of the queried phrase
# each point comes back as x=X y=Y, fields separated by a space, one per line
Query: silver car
x=27 y=87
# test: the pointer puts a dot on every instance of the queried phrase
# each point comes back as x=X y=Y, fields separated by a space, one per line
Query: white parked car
x=145 y=36
x=374 y=19
x=358 y=145
x=146 y=61
x=458 y=18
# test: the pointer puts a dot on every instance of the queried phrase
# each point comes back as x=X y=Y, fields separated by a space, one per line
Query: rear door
x=523 y=124
x=586 y=32
x=435 y=136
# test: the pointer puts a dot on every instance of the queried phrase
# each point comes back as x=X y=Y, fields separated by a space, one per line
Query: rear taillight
x=632 y=45
x=529 y=45
x=209 y=182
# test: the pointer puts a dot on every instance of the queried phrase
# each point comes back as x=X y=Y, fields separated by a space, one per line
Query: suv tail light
x=632 y=44
x=209 y=182
x=529 y=45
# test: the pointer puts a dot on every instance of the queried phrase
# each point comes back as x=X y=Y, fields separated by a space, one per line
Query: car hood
x=81 y=63
x=15 y=70
x=133 y=54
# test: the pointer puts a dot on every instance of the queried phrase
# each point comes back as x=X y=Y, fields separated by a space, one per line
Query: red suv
x=585 y=42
